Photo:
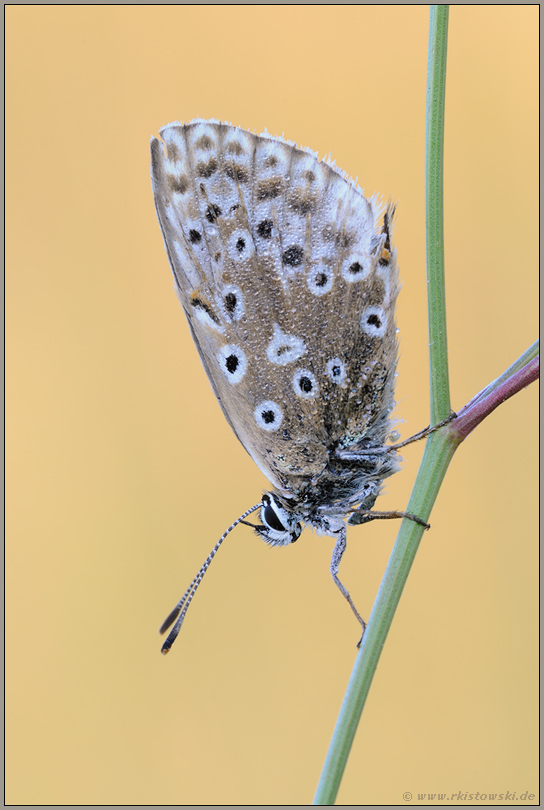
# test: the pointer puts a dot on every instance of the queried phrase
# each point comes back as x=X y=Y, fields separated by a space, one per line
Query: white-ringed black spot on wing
x=213 y=212
x=231 y=303
x=194 y=236
x=240 y=245
x=293 y=256
x=305 y=384
x=320 y=279
x=283 y=348
x=355 y=268
x=264 y=228
x=233 y=363
x=268 y=415
x=374 y=321
x=336 y=370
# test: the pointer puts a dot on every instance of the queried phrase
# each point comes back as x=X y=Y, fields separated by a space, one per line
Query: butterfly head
x=280 y=525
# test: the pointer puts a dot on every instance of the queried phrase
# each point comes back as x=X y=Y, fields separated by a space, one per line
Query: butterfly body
x=288 y=280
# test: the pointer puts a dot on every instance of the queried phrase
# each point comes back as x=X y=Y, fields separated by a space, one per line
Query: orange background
x=123 y=473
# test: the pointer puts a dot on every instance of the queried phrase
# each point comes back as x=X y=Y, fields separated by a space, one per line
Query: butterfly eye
x=280 y=527
x=270 y=518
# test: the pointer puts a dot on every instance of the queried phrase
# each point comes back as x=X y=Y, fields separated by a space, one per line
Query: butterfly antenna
x=182 y=606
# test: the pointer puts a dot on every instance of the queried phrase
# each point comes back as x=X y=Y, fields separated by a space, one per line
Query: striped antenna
x=182 y=606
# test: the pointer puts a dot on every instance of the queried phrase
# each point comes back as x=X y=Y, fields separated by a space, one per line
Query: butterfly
x=288 y=279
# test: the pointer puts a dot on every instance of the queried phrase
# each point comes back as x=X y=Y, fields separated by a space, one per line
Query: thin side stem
x=532 y=352
x=478 y=409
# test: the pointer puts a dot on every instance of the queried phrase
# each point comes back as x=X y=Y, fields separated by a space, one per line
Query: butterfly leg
x=337 y=553
x=423 y=433
x=365 y=516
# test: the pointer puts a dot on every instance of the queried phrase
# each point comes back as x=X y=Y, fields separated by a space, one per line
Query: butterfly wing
x=288 y=284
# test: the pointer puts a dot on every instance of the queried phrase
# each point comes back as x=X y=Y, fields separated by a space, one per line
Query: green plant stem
x=438 y=451
x=437 y=456
x=434 y=213
x=440 y=446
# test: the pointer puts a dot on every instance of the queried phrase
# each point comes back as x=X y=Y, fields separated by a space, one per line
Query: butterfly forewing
x=288 y=281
